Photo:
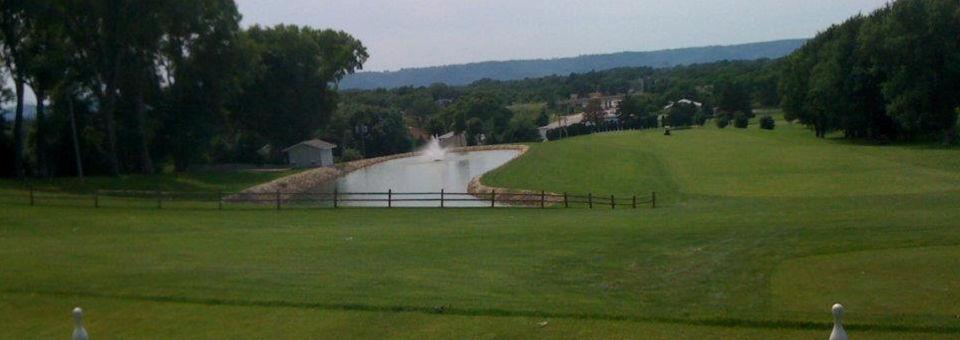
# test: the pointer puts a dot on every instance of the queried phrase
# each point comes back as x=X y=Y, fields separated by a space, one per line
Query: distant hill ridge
x=518 y=69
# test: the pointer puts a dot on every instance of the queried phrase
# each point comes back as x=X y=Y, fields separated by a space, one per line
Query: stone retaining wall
x=506 y=195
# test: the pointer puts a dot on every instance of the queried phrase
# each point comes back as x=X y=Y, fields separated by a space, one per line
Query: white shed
x=311 y=153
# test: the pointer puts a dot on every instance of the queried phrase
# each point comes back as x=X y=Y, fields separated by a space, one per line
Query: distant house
x=683 y=101
x=606 y=101
x=311 y=153
x=443 y=102
x=452 y=140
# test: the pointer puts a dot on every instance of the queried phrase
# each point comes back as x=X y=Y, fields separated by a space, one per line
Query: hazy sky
x=409 y=33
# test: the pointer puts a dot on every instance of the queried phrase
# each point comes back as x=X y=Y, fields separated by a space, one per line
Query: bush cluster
x=722 y=121
x=741 y=120
x=767 y=123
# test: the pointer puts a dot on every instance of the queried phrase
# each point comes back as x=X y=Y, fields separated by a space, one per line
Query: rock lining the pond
x=508 y=195
x=305 y=181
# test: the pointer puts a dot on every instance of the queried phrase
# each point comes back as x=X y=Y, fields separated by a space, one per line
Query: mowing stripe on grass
x=494 y=312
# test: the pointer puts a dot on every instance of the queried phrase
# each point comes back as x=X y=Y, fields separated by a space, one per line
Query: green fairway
x=731 y=162
x=762 y=231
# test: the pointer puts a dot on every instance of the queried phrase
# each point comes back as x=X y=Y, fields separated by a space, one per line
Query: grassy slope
x=768 y=258
x=732 y=163
x=189 y=181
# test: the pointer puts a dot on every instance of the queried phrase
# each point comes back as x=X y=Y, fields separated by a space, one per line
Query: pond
x=426 y=175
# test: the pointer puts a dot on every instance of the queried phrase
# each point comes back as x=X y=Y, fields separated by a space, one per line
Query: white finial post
x=838 y=332
x=79 y=333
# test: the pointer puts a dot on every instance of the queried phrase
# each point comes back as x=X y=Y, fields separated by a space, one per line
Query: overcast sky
x=410 y=33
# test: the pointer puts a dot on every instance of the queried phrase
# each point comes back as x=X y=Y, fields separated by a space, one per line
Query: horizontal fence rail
x=278 y=200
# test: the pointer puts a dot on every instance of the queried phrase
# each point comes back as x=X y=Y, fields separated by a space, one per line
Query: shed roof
x=313 y=143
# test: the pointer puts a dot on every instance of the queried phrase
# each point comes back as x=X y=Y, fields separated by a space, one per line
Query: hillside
x=519 y=69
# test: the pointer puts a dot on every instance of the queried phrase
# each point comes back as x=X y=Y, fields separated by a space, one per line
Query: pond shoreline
x=510 y=195
x=305 y=181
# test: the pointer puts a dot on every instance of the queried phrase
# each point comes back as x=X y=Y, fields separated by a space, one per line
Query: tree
x=290 y=96
x=639 y=111
x=891 y=74
x=204 y=57
x=98 y=30
x=542 y=118
x=733 y=96
x=915 y=44
x=521 y=130
x=50 y=58
x=380 y=131
x=14 y=26
x=483 y=106
x=594 y=112
x=6 y=149
x=473 y=130
x=682 y=114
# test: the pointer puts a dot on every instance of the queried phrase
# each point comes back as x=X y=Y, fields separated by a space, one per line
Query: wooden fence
x=280 y=200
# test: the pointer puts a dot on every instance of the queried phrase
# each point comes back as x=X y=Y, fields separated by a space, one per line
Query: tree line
x=129 y=86
x=891 y=75
x=511 y=110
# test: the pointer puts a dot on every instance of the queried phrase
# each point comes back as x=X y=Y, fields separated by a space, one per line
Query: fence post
x=96 y=198
x=634 y=201
x=441 y=198
x=613 y=202
x=278 y=199
x=159 y=200
x=390 y=198
x=335 y=203
x=493 y=198
x=590 y=200
x=653 y=200
x=31 y=195
x=220 y=200
x=565 y=202
x=542 y=198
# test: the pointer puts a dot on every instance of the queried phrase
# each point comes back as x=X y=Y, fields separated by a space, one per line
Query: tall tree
x=291 y=96
x=203 y=58
x=917 y=44
x=594 y=112
x=14 y=26
x=733 y=96
x=49 y=53
x=97 y=29
x=6 y=150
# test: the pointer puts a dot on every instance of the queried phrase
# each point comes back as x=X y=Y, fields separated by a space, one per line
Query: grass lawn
x=228 y=181
x=752 y=242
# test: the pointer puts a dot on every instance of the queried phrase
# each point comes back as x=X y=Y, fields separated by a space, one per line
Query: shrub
x=741 y=120
x=723 y=121
x=699 y=118
x=767 y=123
x=350 y=155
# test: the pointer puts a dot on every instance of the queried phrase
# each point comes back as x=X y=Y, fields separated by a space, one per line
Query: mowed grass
x=209 y=181
x=786 y=162
x=725 y=257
